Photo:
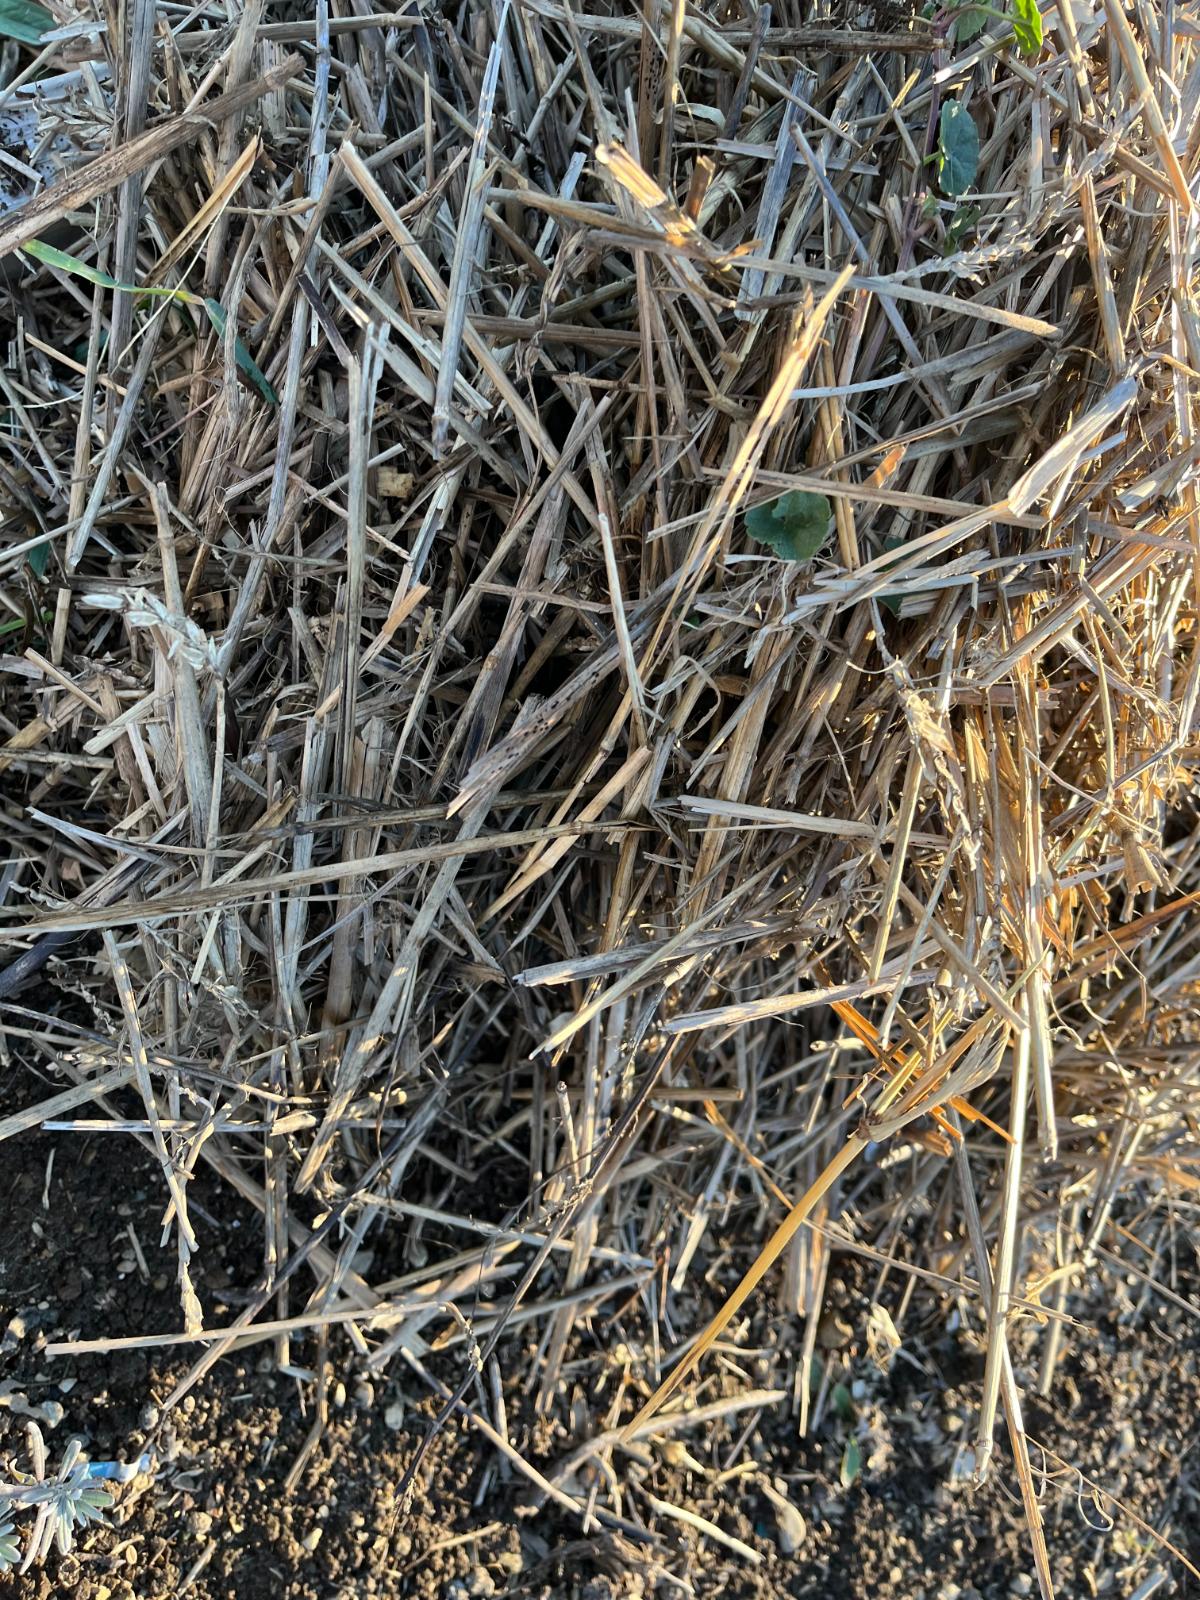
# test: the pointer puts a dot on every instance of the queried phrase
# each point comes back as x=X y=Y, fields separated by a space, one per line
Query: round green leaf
x=1027 y=25
x=969 y=23
x=851 y=1463
x=958 y=148
x=795 y=526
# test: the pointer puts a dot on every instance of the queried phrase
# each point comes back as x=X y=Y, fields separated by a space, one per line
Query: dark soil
x=213 y=1518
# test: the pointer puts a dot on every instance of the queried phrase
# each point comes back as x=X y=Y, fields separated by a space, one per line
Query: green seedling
x=958 y=149
x=213 y=309
x=795 y=525
x=23 y=21
x=1024 y=19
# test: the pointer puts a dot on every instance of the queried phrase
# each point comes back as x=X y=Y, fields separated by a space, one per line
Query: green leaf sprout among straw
x=19 y=622
x=1027 y=25
x=1025 y=20
x=958 y=148
x=23 y=21
x=795 y=525
x=213 y=309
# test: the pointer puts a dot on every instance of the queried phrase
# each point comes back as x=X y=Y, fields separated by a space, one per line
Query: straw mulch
x=415 y=770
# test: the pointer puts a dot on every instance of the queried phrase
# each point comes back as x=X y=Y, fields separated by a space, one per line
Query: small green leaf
x=39 y=558
x=22 y=20
x=962 y=222
x=892 y=600
x=842 y=1402
x=18 y=623
x=216 y=315
x=51 y=257
x=795 y=525
x=67 y=263
x=80 y=352
x=1027 y=26
x=851 y=1463
x=958 y=148
x=969 y=23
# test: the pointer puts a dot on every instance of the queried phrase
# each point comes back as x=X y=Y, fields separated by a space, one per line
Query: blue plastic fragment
x=119 y=1471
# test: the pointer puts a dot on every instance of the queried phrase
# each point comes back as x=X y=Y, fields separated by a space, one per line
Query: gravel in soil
x=215 y=1519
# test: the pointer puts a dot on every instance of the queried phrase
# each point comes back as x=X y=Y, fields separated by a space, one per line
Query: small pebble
x=1021 y=1583
x=312 y=1540
x=833 y=1332
x=148 y=1417
x=394 y=1415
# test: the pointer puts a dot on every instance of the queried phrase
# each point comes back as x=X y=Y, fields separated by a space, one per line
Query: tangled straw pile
x=413 y=764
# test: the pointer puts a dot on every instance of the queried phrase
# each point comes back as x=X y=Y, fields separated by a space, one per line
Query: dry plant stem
x=1008 y=1383
x=106 y=172
x=1005 y=1258
x=141 y=1068
x=542 y=1484
x=763 y=1263
x=467 y=244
